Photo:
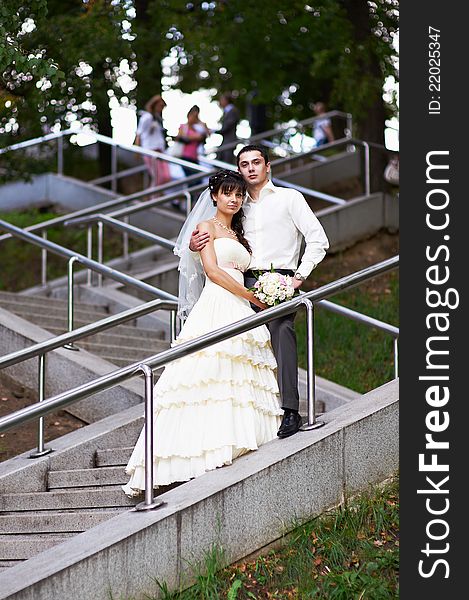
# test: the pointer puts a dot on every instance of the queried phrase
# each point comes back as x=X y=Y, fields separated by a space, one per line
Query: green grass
x=350 y=353
x=348 y=553
x=16 y=254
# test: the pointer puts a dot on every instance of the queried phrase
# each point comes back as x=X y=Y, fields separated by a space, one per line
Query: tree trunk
x=370 y=127
x=103 y=118
x=148 y=51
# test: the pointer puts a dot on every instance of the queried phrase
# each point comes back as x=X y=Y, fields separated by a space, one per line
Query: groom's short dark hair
x=254 y=148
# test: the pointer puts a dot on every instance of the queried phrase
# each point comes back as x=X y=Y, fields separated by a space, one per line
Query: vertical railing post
x=89 y=250
x=396 y=357
x=367 y=168
x=172 y=326
x=44 y=261
x=311 y=385
x=348 y=131
x=113 y=167
x=60 y=155
x=41 y=450
x=73 y=259
x=125 y=240
x=150 y=501
x=153 y=174
x=100 y=250
x=188 y=202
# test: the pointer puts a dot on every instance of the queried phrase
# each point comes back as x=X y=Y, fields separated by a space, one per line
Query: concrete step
x=146 y=272
x=55 y=521
x=7 y=564
x=16 y=547
x=53 y=321
x=120 y=362
x=121 y=334
x=58 y=325
x=84 y=314
x=90 y=497
x=77 y=478
x=47 y=301
x=133 y=353
x=113 y=456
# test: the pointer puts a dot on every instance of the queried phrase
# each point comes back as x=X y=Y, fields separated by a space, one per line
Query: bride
x=218 y=403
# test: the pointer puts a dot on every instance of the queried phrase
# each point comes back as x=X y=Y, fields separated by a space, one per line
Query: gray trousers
x=283 y=336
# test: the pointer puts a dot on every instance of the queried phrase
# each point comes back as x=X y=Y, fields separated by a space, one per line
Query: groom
x=276 y=220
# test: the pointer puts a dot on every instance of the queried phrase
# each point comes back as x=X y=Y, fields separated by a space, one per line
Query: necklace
x=230 y=231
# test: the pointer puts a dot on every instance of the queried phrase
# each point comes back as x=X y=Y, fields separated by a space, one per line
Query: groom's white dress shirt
x=274 y=227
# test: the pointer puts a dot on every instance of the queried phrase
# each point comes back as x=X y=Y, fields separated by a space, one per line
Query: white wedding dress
x=216 y=404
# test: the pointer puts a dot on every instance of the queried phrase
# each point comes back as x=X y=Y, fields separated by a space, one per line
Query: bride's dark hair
x=226 y=182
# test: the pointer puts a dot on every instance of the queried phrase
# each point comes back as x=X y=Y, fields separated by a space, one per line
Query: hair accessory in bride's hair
x=217 y=177
x=232 y=178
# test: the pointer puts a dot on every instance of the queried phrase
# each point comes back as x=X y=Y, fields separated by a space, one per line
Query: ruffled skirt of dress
x=213 y=405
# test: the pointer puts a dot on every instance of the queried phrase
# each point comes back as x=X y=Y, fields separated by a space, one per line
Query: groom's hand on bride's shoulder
x=198 y=240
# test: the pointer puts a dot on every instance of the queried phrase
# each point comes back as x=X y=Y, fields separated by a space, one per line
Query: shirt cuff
x=305 y=268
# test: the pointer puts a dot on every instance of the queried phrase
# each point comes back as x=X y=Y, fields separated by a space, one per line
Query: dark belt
x=257 y=272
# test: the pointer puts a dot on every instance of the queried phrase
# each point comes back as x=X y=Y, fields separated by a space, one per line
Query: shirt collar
x=269 y=188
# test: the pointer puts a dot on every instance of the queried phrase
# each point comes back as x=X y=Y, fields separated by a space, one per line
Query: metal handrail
x=285 y=127
x=35 y=141
x=111 y=379
x=307 y=191
x=370 y=322
x=359 y=317
x=318 y=149
x=126 y=227
x=98 y=137
x=66 y=340
x=58 y=341
x=341 y=142
x=133 y=148
x=86 y=262
x=44 y=225
x=118 y=175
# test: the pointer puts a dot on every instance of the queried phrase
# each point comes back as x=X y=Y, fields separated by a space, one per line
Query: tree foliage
x=87 y=41
x=61 y=60
x=291 y=54
x=23 y=64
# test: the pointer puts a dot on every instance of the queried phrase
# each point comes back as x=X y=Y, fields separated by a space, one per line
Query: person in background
x=322 y=130
x=229 y=123
x=193 y=134
x=151 y=135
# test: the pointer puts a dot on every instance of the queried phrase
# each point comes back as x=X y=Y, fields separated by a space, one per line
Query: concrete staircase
x=75 y=500
x=121 y=345
x=77 y=492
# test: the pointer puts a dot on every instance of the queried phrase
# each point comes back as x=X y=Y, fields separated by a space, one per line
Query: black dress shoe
x=291 y=423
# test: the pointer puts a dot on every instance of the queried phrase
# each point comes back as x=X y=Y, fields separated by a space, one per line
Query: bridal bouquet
x=273 y=288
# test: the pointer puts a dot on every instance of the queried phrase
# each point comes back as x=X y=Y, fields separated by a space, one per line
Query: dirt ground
x=13 y=396
x=363 y=254
x=21 y=439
